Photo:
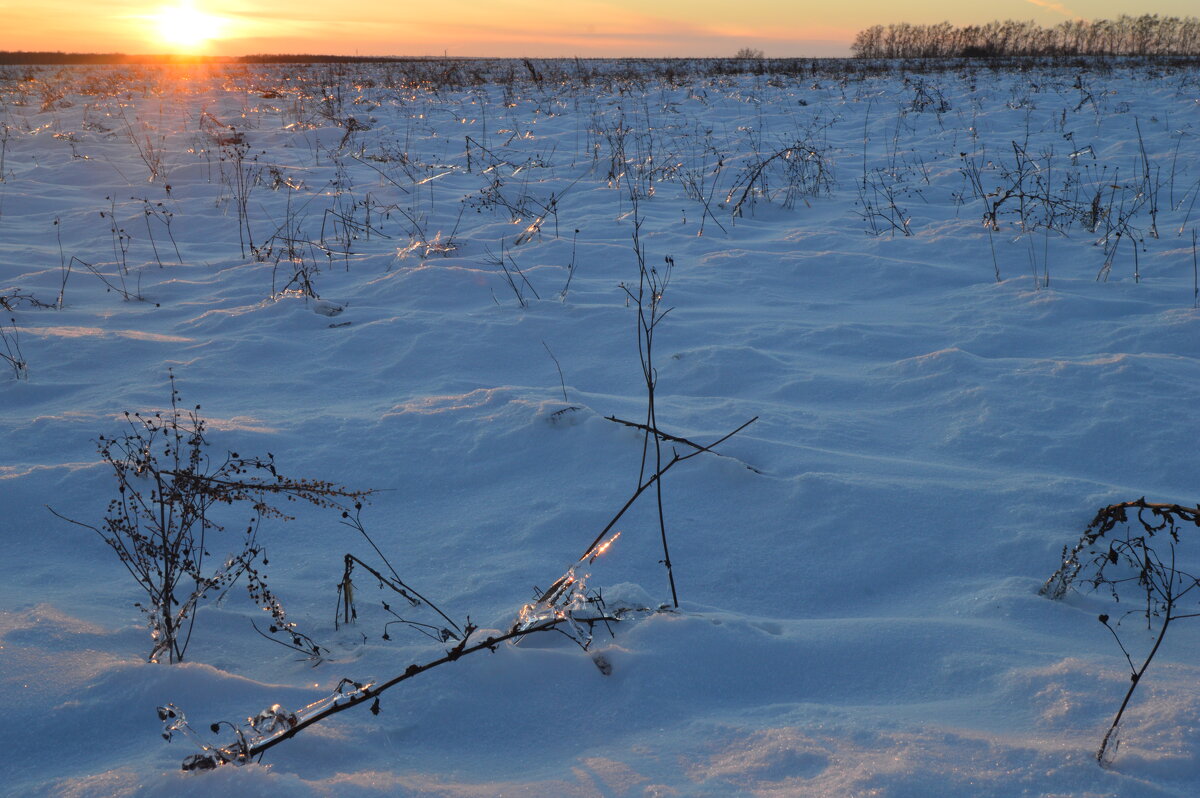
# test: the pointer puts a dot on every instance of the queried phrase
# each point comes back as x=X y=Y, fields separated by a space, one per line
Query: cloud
x=1057 y=8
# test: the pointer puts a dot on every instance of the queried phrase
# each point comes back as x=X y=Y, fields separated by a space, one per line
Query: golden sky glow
x=504 y=27
x=184 y=27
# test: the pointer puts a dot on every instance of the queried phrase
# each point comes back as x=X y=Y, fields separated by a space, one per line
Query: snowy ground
x=941 y=408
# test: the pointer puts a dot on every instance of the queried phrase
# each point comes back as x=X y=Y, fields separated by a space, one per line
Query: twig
x=676 y=439
x=675 y=459
x=397 y=585
x=1137 y=562
x=243 y=752
x=560 y=374
x=12 y=354
x=1195 y=274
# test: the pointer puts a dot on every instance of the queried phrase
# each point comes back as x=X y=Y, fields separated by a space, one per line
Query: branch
x=676 y=439
x=243 y=751
x=1105 y=521
x=677 y=458
x=1134 y=681
x=399 y=586
x=283 y=485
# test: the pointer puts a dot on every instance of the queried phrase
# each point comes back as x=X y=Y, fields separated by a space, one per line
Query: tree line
x=1148 y=34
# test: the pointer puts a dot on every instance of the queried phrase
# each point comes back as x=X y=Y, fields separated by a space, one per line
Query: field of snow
x=962 y=307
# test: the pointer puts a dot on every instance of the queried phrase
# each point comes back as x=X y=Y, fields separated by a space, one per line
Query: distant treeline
x=1147 y=35
x=45 y=57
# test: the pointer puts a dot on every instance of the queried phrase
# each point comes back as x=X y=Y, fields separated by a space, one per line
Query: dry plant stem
x=1195 y=273
x=64 y=266
x=159 y=522
x=370 y=692
x=754 y=175
x=561 y=381
x=395 y=583
x=1160 y=580
x=1134 y=681
x=651 y=283
x=12 y=354
x=995 y=263
x=1132 y=560
x=128 y=297
x=642 y=488
x=562 y=295
x=672 y=438
x=4 y=133
x=399 y=586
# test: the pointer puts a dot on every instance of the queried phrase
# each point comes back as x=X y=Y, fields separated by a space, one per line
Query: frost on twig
x=569 y=604
x=259 y=732
x=175 y=722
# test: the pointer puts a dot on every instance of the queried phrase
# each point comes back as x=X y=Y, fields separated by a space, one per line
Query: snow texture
x=378 y=281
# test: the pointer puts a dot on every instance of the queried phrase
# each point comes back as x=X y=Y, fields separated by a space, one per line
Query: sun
x=185 y=27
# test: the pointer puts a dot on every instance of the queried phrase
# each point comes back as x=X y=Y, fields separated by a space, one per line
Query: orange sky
x=503 y=27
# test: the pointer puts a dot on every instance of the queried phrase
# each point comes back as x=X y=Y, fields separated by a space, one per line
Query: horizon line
x=302 y=56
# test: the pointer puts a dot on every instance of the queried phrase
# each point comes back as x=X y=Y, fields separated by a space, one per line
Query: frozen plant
x=1132 y=561
x=162 y=518
x=441 y=630
x=12 y=349
x=566 y=605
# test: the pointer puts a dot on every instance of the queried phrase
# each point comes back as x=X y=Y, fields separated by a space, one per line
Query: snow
x=858 y=573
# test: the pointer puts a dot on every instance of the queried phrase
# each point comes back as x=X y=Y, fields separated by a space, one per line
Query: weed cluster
x=641 y=127
x=1142 y=562
x=568 y=606
x=163 y=520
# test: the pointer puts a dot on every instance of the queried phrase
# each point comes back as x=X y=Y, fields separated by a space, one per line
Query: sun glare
x=185 y=27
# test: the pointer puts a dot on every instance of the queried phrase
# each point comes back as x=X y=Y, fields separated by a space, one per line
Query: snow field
x=859 y=606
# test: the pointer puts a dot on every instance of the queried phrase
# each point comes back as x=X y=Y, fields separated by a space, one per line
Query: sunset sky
x=504 y=27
